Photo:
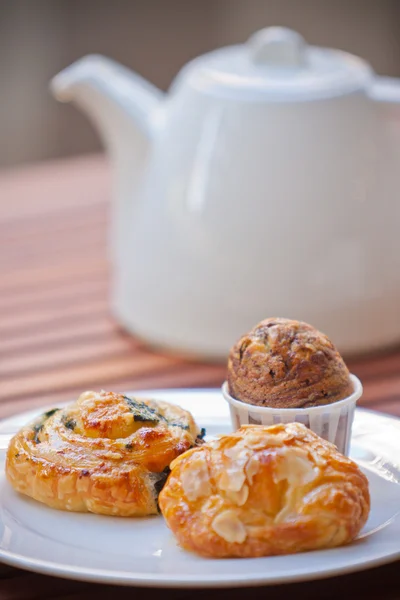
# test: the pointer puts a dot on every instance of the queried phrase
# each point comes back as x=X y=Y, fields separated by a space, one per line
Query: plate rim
x=121 y=578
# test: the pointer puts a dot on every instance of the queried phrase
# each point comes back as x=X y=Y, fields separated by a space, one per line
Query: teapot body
x=264 y=183
x=255 y=208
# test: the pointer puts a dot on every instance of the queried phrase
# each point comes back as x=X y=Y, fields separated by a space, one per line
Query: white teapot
x=265 y=183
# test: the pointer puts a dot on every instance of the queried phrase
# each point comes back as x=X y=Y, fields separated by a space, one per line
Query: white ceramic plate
x=144 y=552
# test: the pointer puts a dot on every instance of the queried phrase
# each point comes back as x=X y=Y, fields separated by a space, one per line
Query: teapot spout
x=125 y=108
x=112 y=95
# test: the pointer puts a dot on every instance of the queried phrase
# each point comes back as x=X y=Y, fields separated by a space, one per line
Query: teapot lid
x=277 y=64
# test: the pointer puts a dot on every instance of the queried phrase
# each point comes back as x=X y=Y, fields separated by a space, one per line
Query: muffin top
x=282 y=363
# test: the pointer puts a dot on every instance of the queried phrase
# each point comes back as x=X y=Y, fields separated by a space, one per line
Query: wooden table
x=57 y=338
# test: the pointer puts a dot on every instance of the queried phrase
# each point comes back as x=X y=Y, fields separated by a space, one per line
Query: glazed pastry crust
x=282 y=363
x=105 y=454
x=264 y=491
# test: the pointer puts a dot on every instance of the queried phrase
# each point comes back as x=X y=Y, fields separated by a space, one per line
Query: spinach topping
x=160 y=482
x=37 y=427
x=69 y=423
x=142 y=412
x=177 y=424
x=202 y=434
x=36 y=430
x=200 y=437
x=50 y=413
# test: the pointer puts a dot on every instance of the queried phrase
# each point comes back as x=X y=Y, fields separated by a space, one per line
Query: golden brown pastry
x=287 y=364
x=106 y=454
x=263 y=491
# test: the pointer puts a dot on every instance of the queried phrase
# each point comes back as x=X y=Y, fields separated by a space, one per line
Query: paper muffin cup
x=333 y=422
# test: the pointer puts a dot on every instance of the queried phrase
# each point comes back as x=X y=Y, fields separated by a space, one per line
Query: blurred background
x=156 y=38
x=58 y=334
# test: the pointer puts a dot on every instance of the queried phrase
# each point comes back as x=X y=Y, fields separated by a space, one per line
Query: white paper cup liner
x=332 y=422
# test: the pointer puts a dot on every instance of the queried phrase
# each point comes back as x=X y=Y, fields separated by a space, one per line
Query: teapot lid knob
x=278 y=47
x=277 y=64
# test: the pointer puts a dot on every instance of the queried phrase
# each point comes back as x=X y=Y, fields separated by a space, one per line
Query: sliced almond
x=195 y=479
x=232 y=480
x=233 y=477
x=252 y=468
x=239 y=498
x=237 y=453
x=259 y=440
x=295 y=467
x=229 y=527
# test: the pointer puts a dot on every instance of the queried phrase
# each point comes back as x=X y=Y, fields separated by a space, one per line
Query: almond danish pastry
x=263 y=491
x=106 y=454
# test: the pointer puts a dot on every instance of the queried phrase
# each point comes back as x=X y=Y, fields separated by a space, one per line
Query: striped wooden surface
x=57 y=337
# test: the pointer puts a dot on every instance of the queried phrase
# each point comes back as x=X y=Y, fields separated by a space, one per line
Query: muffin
x=264 y=491
x=286 y=371
x=287 y=364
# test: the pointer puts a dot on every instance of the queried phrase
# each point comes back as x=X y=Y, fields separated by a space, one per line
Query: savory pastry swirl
x=263 y=491
x=106 y=454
